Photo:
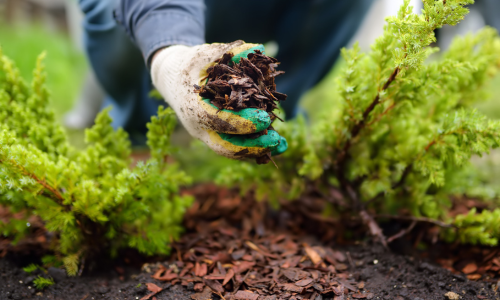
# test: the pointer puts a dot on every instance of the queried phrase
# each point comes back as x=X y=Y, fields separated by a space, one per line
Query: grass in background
x=491 y=107
x=65 y=65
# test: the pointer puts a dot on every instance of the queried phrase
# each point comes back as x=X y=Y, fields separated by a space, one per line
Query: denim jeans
x=309 y=35
x=490 y=10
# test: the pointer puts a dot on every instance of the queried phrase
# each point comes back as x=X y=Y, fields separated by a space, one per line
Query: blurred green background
x=65 y=65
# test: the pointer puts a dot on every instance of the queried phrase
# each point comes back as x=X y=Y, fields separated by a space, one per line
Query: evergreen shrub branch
x=399 y=131
x=91 y=200
x=42 y=282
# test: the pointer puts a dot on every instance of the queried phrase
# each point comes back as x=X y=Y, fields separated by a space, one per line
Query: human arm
x=177 y=66
x=156 y=24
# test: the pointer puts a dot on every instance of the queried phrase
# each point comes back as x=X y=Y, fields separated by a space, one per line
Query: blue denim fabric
x=119 y=68
x=154 y=24
x=490 y=9
x=309 y=34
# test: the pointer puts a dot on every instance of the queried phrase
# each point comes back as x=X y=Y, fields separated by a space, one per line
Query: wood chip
x=294 y=274
x=470 y=268
x=237 y=255
x=243 y=266
x=154 y=289
x=245 y=295
x=198 y=287
x=292 y=288
x=474 y=276
x=214 y=285
x=214 y=277
x=304 y=282
x=229 y=276
x=205 y=295
x=313 y=255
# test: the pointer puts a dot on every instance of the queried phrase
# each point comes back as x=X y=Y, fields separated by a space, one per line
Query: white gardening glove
x=176 y=69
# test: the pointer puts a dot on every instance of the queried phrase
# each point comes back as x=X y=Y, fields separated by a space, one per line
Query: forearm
x=156 y=24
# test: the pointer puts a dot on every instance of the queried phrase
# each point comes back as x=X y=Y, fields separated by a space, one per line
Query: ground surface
x=238 y=249
x=393 y=277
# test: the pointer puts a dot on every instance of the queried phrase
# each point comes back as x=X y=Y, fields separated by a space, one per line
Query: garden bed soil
x=264 y=258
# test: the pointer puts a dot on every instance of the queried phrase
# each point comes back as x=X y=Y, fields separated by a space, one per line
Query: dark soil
x=385 y=276
x=362 y=271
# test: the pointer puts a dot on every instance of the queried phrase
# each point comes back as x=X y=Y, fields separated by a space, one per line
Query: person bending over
x=135 y=44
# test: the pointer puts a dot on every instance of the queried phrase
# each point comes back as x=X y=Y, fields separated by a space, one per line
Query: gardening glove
x=176 y=69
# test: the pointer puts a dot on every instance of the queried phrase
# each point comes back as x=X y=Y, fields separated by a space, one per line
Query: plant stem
x=356 y=129
x=43 y=183
x=417 y=219
x=402 y=233
x=345 y=185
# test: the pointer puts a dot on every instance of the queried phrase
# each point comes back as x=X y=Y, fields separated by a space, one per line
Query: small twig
x=417 y=219
x=430 y=145
x=220 y=295
x=382 y=114
x=179 y=256
x=41 y=182
x=271 y=158
x=85 y=297
x=342 y=157
x=402 y=233
x=356 y=129
x=375 y=229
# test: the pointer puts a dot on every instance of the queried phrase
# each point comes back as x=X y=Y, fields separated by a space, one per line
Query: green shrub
x=400 y=132
x=42 y=282
x=31 y=268
x=91 y=200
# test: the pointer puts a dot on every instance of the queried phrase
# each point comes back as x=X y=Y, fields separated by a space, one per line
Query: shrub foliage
x=401 y=130
x=91 y=199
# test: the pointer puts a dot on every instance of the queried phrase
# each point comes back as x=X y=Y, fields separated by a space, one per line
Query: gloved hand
x=176 y=69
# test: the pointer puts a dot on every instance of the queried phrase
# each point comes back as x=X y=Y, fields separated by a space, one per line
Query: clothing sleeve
x=155 y=24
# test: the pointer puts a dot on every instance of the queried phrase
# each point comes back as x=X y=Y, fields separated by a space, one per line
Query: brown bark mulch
x=246 y=84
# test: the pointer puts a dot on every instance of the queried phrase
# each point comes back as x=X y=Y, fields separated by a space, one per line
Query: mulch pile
x=235 y=250
x=246 y=261
x=235 y=265
x=247 y=84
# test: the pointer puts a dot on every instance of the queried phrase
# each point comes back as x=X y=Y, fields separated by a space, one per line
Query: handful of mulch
x=247 y=84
